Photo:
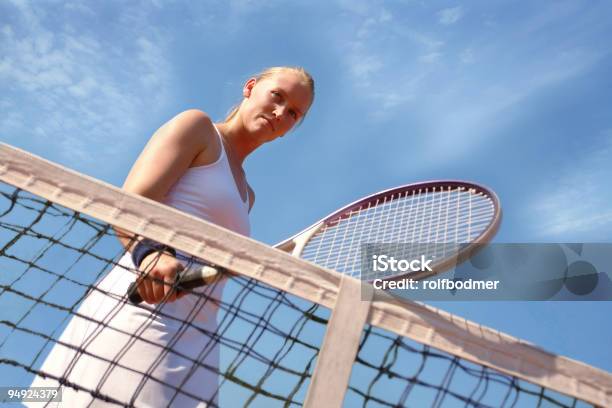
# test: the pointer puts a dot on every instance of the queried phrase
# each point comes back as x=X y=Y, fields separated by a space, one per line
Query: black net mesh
x=236 y=342
x=393 y=371
x=52 y=259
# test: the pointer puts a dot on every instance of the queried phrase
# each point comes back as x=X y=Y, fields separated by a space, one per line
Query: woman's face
x=274 y=105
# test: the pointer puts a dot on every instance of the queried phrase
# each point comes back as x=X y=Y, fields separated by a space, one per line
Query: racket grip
x=133 y=295
x=192 y=277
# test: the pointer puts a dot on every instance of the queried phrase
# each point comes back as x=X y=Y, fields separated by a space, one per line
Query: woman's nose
x=279 y=112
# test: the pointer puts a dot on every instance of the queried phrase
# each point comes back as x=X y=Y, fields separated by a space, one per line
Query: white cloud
x=457 y=86
x=460 y=105
x=242 y=7
x=374 y=24
x=577 y=204
x=431 y=57
x=78 y=7
x=450 y=15
x=76 y=86
x=364 y=66
x=11 y=117
x=83 y=89
x=382 y=56
x=428 y=42
x=470 y=113
x=467 y=56
x=357 y=7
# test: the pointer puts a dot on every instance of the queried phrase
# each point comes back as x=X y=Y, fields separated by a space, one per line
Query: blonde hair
x=269 y=72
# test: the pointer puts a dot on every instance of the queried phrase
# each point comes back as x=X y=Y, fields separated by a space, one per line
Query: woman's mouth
x=269 y=123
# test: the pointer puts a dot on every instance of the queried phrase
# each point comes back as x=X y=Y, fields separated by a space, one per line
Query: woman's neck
x=237 y=140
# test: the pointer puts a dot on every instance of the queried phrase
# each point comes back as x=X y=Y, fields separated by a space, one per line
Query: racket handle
x=195 y=276
x=133 y=295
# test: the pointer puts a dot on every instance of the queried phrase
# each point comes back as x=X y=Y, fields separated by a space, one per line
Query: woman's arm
x=165 y=158
x=169 y=153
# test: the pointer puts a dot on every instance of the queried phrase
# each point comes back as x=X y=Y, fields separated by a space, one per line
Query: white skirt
x=136 y=355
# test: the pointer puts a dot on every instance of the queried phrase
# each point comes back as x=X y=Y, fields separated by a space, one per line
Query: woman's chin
x=266 y=135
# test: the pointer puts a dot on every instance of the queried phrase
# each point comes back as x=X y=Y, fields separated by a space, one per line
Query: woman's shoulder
x=194 y=130
x=194 y=114
x=192 y=126
x=194 y=118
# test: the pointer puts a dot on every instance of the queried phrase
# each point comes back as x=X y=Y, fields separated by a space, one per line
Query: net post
x=340 y=345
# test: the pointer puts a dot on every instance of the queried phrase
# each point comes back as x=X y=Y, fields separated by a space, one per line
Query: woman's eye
x=276 y=94
x=293 y=114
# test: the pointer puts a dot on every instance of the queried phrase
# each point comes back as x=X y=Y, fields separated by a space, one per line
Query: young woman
x=146 y=355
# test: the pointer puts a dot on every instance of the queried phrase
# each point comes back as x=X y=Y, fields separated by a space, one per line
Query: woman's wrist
x=146 y=247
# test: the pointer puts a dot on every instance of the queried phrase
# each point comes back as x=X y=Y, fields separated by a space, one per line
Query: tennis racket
x=444 y=221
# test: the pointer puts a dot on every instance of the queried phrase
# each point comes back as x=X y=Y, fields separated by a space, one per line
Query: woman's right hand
x=159 y=271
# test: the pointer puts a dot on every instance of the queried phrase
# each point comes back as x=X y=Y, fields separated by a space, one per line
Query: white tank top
x=210 y=192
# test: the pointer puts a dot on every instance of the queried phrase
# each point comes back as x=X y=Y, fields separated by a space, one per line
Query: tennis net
x=278 y=332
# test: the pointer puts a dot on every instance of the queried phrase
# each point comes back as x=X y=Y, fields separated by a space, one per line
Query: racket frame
x=295 y=244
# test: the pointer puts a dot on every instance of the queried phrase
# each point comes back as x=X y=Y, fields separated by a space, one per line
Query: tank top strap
x=221 y=143
x=223 y=153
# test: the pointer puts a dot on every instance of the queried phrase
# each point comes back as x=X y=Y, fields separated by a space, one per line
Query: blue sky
x=516 y=96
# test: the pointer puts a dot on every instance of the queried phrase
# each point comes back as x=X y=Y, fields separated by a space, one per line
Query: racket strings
x=430 y=219
x=465 y=210
x=483 y=211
